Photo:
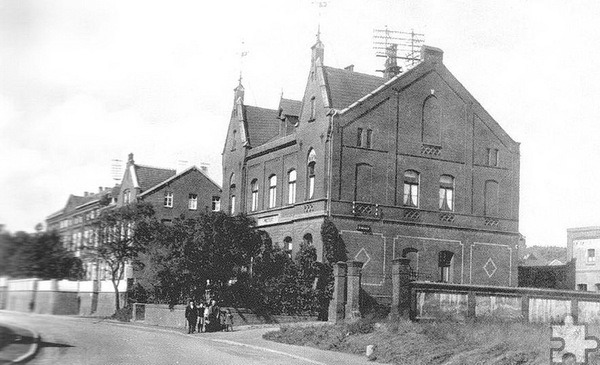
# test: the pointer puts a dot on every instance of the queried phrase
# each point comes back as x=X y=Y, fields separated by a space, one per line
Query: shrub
x=123 y=314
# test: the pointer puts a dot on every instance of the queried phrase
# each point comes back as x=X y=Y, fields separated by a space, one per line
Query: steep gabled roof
x=262 y=124
x=177 y=176
x=148 y=176
x=345 y=87
x=290 y=107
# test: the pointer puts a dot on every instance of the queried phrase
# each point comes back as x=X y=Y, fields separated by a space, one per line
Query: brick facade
x=411 y=165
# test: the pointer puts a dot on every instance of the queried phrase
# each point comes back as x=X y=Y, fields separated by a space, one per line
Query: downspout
x=330 y=163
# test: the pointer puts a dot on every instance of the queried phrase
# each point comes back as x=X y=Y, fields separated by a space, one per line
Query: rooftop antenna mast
x=407 y=45
x=116 y=170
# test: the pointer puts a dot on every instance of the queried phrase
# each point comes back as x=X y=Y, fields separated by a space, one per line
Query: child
x=228 y=321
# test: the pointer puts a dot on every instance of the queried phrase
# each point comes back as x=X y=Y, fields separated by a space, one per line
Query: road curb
x=33 y=348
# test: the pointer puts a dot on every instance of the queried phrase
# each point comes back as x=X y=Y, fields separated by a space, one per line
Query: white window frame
x=168 y=203
x=272 y=191
x=292 y=177
x=193 y=201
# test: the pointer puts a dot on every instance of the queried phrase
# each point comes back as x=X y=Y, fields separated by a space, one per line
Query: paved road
x=73 y=340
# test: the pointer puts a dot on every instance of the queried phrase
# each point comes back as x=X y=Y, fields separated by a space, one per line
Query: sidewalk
x=17 y=344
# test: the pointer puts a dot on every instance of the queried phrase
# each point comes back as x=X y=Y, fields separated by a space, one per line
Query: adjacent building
x=188 y=193
x=185 y=194
x=408 y=164
x=583 y=246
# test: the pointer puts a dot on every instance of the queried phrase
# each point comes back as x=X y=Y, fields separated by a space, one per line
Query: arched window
x=232 y=194
x=307 y=239
x=292 y=187
x=411 y=188
x=446 y=192
x=254 y=195
x=446 y=266
x=287 y=244
x=431 y=121
x=412 y=254
x=310 y=174
x=491 y=198
x=363 y=182
x=272 y=191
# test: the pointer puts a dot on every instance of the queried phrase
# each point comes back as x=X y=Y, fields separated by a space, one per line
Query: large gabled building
x=408 y=164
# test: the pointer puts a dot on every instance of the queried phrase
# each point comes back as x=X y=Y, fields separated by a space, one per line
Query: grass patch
x=405 y=342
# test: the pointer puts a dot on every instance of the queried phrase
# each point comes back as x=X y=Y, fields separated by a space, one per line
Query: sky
x=86 y=82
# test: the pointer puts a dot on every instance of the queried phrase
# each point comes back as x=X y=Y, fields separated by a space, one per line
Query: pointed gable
x=345 y=87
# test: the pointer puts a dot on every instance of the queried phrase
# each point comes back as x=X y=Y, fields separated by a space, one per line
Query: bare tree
x=122 y=234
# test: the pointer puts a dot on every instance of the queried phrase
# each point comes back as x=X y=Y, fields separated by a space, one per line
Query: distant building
x=405 y=165
x=583 y=245
x=74 y=224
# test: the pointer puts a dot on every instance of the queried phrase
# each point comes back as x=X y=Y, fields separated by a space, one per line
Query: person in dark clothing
x=191 y=314
x=214 y=322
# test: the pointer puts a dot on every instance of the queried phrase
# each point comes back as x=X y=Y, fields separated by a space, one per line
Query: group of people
x=207 y=317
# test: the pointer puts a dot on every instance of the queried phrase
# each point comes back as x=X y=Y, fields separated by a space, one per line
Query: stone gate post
x=401 y=277
x=337 y=305
x=353 y=297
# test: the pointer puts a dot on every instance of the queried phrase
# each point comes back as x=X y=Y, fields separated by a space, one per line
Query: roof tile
x=346 y=87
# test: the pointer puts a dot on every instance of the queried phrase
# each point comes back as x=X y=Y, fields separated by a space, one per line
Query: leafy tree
x=122 y=234
x=40 y=255
x=334 y=250
x=213 y=247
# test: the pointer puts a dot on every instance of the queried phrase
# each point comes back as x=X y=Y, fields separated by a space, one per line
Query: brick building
x=583 y=246
x=408 y=164
x=189 y=193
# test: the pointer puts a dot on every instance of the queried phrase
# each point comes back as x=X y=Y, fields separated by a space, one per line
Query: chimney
x=349 y=68
x=85 y=193
x=204 y=168
x=130 y=160
x=99 y=189
x=391 y=64
x=432 y=54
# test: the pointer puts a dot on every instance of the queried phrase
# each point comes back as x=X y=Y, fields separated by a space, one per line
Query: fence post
x=525 y=308
x=353 y=289
x=471 y=304
x=575 y=310
x=337 y=304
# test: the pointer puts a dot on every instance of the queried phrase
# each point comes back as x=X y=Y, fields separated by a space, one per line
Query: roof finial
x=243 y=54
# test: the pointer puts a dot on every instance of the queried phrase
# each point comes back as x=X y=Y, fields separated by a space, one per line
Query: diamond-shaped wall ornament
x=363 y=257
x=490 y=267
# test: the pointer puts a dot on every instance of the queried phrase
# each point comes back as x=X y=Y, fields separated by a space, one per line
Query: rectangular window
x=582 y=287
x=369 y=138
x=591 y=255
x=492 y=157
x=169 y=200
x=359 y=137
x=292 y=187
x=193 y=202
x=232 y=205
x=216 y=203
